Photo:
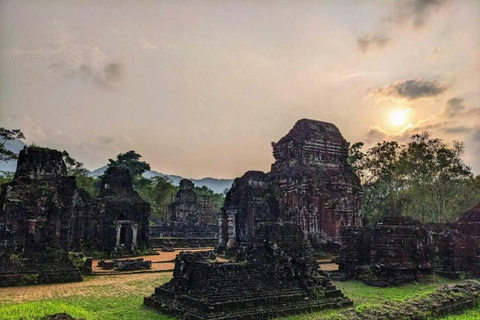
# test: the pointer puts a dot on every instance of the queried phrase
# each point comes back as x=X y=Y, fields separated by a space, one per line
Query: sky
x=202 y=88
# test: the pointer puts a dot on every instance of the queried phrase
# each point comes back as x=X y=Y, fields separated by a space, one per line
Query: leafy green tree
x=355 y=156
x=424 y=178
x=5 y=136
x=131 y=160
x=6 y=177
x=158 y=192
x=76 y=168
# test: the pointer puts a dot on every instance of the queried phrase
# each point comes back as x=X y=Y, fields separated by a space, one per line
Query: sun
x=399 y=117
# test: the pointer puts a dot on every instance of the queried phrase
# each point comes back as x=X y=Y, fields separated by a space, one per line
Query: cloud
x=416 y=12
x=106 y=140
x=372 y=41
x=409 y=89
x=457 y=129
x=62 y=55
x=454 y=106
x=476 y=135
x=109 y=76
x=454 y=120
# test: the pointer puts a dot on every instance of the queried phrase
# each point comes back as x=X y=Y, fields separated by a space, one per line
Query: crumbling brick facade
x=319 y=190
x=35 y=211
x=43 y=215
x=400 y=249
x=279 y=277
x=121 y=214
x=310 y=184
x=396 y=251
x=190 y=220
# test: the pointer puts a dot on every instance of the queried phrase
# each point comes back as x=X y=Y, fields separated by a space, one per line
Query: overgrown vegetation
x=424 y=178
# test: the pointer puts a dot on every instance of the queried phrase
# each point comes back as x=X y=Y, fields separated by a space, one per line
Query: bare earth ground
x=98 y=285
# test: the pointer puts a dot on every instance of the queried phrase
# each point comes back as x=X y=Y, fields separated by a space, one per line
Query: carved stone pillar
x=232 y=232
x=119 y=230
x=134 y=236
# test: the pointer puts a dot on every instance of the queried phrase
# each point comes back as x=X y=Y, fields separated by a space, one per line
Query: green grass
x=121 y=305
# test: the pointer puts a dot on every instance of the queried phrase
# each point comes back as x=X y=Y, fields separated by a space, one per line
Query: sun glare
x=399 y=117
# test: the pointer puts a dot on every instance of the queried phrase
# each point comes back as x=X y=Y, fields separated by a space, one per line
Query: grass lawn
x=110 y=303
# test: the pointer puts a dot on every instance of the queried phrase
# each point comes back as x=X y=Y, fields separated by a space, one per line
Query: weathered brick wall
x=35 y=211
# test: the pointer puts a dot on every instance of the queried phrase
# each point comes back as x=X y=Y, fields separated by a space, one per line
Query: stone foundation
x=279 y=277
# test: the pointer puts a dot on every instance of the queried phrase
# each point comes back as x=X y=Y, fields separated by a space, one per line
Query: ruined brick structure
x=310 y=184
x=35 y=212
x=186 y=209
x=469 y=222
x=400 y=249
x=279 y=277
x=319 y=190
x=190 y=220
x=459 y=246
x=251 y=200
x=396 y=251
x=122 y=215
x=43 y=215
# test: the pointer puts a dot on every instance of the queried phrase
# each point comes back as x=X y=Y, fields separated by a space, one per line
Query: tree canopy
x=424 y=178
x=131 y=160
x=5 y=136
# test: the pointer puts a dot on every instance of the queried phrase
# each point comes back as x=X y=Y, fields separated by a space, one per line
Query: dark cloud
x=109 y=76
x=410 y=89
x=106 y=140
x=457 y=129
x=416 y=12
x=476 y=135
x=454 y=106
x=372 y=41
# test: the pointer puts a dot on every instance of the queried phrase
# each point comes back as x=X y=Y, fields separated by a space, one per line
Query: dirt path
x=121 y=285
x=98 y=285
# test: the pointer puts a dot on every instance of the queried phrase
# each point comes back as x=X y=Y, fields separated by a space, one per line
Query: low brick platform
x=280 y=277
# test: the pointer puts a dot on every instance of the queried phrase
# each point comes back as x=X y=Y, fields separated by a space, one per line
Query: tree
x=355 y=156
x=130 y=160
x=76 y=168
x=5 y=136
x=424 y=178
x=157 y=191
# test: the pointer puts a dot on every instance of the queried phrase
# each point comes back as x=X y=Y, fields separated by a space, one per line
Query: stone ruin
x=186 y=209
x=250 y=201
x=279 y=277
x=121 y=214
x=114 y=222
x=310 y=184
x=397 y=250
x=188 y=224
x=319 y=190
x=35 y=212
x=400 y=250
x=43 y=215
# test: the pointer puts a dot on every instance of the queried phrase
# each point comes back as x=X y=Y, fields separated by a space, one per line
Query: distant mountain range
x=217 y=185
